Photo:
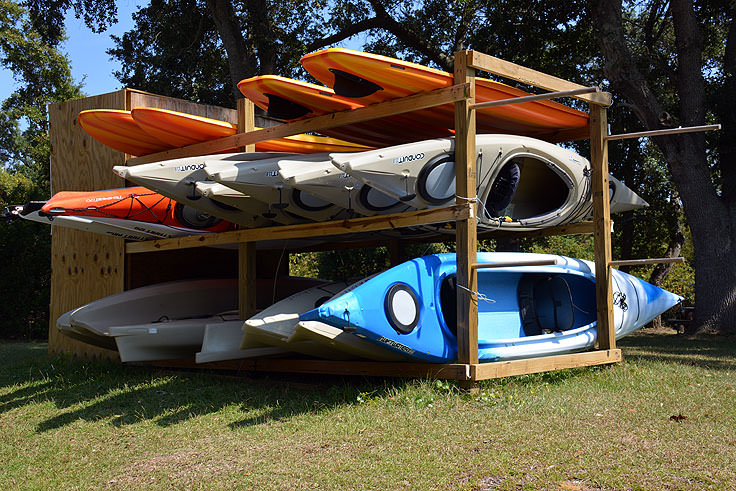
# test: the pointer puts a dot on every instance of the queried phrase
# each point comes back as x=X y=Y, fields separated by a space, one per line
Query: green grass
x=66 y=423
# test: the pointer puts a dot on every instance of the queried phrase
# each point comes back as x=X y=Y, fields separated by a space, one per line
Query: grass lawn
x=665 y=418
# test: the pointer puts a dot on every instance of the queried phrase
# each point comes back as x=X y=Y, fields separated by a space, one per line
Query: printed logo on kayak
x=272 y=173
x=408 y=158
x=394 y=344
x=104 y=198
x=189 y=167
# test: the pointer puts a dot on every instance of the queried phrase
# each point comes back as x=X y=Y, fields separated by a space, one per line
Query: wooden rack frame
x=467 y=370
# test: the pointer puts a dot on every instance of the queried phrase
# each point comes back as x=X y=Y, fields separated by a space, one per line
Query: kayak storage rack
x=87 y=267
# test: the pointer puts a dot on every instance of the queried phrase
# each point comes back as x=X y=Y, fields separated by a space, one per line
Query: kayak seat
x=545 y=304
x=503 y=189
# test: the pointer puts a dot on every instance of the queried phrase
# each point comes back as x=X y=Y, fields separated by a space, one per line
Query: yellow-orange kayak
x=371 y=78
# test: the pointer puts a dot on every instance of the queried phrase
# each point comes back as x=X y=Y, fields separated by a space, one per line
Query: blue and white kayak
x=523 y=311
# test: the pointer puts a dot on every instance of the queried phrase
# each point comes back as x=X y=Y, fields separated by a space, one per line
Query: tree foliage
x=43 y=76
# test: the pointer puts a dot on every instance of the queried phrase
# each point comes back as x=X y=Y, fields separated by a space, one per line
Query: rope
x=478 y=295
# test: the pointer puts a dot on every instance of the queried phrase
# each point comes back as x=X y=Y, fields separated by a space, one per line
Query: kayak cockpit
x=516 y=305
x=527 y=188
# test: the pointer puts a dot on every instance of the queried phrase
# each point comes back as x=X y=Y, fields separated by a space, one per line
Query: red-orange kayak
x=135 y=203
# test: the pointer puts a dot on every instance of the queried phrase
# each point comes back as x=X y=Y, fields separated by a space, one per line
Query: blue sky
x=87 y=53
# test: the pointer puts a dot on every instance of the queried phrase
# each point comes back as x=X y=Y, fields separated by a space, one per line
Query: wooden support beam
x=466 y=230
x=246 y=280
x=666 y=131
x=321 y=229
x=497 y=66
x=640 y=262
x=485 y=371
x=536 y=97
x=514 y=264
x=602 y=224
x=567 y=229
x=246 y=121
x=332 y=120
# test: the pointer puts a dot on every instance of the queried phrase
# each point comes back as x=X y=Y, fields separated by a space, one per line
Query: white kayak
x=522 y=183
x=275 y=325
x=221 y=342
x=230 y=197
x=324 y=180
x=177 y=179
x=260 y=179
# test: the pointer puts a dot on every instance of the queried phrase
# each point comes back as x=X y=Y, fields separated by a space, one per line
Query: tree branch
x=240 y=60
x=352 y=30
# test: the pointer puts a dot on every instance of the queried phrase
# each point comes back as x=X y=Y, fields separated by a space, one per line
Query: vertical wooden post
x=602 y=224
x=246 y=250
x=467 y=236
x=246 y=279
x=246 y=120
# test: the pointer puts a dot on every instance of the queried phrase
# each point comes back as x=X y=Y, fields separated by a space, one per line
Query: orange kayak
x=289 y=99
x=370 y=78
x=117 y=129
x=135 y=203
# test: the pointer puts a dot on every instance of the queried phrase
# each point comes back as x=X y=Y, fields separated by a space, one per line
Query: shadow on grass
x=711 y=352
x=122 y=395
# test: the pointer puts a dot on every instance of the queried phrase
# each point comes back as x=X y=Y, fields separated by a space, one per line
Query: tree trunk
x=240 y=61
x=710 y=216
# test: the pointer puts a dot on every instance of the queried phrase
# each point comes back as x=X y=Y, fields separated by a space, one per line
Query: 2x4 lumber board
x=465 y=229
x=514 y=264
x=639 y=262
x=536 y=97
x=586 y=227
x=374 y=111
x=246 y=121
x=246 y=280
x=602 y=224
x=452 y=371
x=499 y=369
x=667 y=131
x=320 y=229
x=503 y=68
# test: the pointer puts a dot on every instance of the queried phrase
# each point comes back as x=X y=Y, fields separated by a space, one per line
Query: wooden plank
x=466 y=230
x=452 y=371
x=246 y=122
x=246 y=279
x=139 y=98
x=667 y=131
x=374 y=111
x=337 y=227
x=602 y=224
x=485 y=371
x=567 y=229
x=528 y=76
x=639 y=262
x=535 y=97
x=84 y=266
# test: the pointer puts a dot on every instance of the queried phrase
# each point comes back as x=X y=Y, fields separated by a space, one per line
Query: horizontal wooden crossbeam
x=374 y=111
x=320 y=229
x=503 y=68
x=666 y=131
x=639 y=262
x=535 y=97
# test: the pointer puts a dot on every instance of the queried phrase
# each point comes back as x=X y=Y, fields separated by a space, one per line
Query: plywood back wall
x=84 y=266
